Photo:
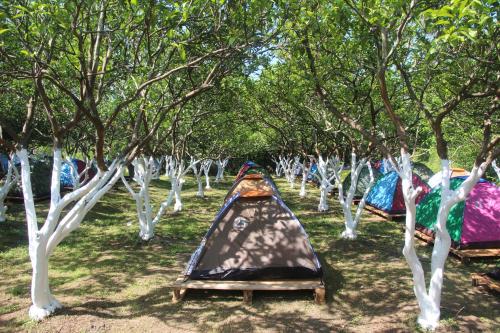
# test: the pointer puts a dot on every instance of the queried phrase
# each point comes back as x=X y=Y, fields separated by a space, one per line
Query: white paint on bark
x=351 y=222
x=9 y=180
x=169 y=165
x=205 y=165
x=306 y=170
x=58 y=224
x=324 y=175
x=144 y=168
x=221 y=165
x=198 y=174
x=277 y=169
x=496 y=168
x=156 y=167
x=290 y=166
x=429 y=299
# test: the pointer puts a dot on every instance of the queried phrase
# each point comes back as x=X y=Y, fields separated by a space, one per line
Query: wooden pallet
x=465 y=255
x=385 y=215
x=181 y=285
x=484 y=280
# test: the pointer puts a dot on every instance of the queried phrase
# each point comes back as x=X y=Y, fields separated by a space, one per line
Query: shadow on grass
x=104 y=270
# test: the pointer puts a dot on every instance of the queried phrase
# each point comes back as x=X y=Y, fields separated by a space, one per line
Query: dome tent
x=387 y=193
x=252 y=182
x=244 y=168
x=255 y=236
x=41 y=172
x=363 y=181
x=473 y=223
x=455 y=172
x=66 y=170
x=422 y=171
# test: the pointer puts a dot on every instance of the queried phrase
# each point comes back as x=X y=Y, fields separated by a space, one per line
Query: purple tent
x=474 y=223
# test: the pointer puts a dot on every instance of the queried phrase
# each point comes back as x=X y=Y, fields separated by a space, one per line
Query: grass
x=110 y=280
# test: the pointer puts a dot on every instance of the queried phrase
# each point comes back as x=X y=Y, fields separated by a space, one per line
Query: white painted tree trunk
x=57 y=225
x=10 y=179
x=293 y=171
x=177 y=180
x=429 y=300
x=306 y=169
x=289 y=166
x=75 y=176
x=169 y=165
x=205 y=165
x=351 y=222
x=221 y=164
x=144 y=169
x=177 y=195
x=277 y=169
x=198 y=174
x=496 y=168
x=156 y=168
x=325 y=177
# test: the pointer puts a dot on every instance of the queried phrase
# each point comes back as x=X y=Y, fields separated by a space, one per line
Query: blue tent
x=79 y=165
x=4 y=163
x=387 y=193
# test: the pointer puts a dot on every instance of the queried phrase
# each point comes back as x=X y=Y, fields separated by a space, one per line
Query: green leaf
x=182 y=52
x=2 y=31
x=443 y=22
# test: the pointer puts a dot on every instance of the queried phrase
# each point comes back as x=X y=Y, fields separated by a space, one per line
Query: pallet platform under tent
x=465 y=255
x=385 y=215
x=181 y=286
x=484 y=280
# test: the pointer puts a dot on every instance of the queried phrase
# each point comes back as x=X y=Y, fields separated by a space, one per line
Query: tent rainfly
x=455 y=172
x=387 y=193
x=363 y=181
x=255 y=236
x=252 y=182
x=473 y=223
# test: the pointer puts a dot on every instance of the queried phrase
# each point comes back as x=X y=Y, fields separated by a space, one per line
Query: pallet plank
x=464 y=254
x=181 y=285
x=485 y=281
x=388 y=216
x=249 y=285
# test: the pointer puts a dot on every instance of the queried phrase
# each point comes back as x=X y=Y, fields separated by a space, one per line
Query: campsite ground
x=108 y=280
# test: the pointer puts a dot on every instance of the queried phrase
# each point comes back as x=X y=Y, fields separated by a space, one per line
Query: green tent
x=474 y=222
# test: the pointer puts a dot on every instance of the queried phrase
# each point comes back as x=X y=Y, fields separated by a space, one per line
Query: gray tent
x=363 y=181
x=41 y=175
x=255 y=236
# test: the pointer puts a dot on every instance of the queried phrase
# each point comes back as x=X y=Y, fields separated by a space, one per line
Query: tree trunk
x=325 y=182
x=9 y=180
x=205 y=165
x=346 y=201
x=44 y=304
x=323 y=198
x=305 y=174
x=496 y=168
x=207 y=180
x=177 y=195
x=200 y=192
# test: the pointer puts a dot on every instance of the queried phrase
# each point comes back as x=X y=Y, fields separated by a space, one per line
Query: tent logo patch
x=240 y=223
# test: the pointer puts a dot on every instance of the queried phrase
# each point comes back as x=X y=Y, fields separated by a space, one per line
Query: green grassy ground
x=109 y=280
